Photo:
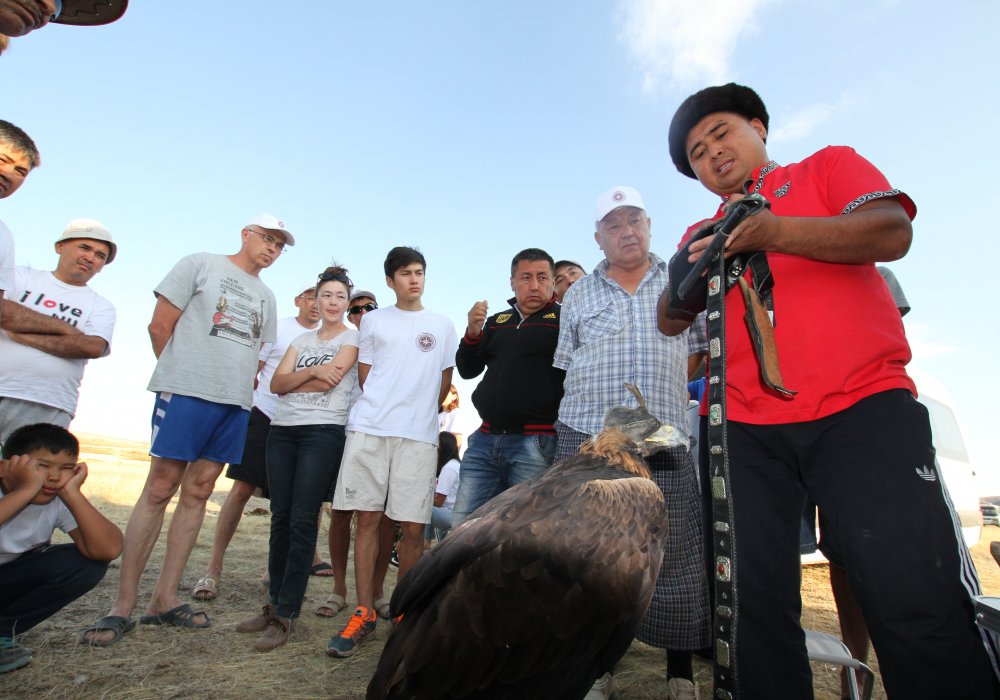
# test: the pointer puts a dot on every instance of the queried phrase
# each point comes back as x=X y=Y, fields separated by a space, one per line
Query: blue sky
x=475 y=129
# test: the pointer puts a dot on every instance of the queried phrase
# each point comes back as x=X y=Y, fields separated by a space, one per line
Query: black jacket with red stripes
x=521 y=390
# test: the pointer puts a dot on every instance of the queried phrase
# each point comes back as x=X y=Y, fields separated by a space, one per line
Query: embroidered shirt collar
x=757 y=177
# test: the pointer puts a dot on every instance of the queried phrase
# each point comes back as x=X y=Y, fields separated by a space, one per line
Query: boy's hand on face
x=76 y=481
x=20 y=473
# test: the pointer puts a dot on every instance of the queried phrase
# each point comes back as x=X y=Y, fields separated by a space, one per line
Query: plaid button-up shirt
x=608 y=337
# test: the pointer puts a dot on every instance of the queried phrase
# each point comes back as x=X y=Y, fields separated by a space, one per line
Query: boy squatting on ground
x=40 y=480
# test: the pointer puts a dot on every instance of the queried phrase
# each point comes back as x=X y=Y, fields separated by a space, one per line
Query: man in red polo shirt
x=853 y=438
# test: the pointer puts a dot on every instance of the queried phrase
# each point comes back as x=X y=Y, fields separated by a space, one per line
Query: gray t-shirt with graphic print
x=319 y=407
x=225 y=315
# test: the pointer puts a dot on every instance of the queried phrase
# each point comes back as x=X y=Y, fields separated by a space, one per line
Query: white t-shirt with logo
x=407 y=351
x=6 y=260
x=34 y=375
x=33 y=527
x=270 y=354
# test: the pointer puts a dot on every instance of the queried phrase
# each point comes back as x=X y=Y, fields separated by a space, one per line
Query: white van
x=955 y=466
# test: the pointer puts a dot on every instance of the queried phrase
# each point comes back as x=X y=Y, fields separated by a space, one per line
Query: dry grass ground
x=154 y=662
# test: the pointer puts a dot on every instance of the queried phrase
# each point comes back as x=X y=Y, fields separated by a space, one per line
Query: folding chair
x=988 y=607
x=827 y=649
x=987 y=612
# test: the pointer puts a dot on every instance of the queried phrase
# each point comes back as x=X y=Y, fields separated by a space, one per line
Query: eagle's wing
x=535 y=596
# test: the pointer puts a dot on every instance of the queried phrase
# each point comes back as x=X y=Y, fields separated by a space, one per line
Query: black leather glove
x=678 y=268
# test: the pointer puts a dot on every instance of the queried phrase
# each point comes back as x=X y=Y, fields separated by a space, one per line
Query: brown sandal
x=206 y=589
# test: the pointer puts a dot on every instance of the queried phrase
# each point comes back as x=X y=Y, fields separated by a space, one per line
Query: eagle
x=541 y=590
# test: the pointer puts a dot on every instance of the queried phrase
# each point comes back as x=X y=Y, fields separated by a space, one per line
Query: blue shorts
x=188 y=429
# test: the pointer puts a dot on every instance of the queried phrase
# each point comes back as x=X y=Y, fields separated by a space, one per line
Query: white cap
x=358 y=293
x=618 y=196
x=92 y=229
x=273 y=223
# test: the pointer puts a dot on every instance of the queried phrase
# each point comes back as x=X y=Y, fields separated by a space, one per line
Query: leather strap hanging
x=723 y=275
x=724 y=618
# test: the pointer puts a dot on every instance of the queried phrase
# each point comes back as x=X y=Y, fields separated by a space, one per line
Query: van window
x=947 y=436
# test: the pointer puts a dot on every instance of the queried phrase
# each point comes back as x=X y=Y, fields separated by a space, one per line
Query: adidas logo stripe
x=926 y=473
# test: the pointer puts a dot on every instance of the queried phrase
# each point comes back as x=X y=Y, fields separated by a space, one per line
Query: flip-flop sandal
x=116 y=624
x=382 y=608
x=206 y=589
x=332 y=607
x=318 y=569
x=181 y=616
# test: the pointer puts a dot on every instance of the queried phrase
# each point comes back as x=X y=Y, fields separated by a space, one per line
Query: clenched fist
x=477 y=318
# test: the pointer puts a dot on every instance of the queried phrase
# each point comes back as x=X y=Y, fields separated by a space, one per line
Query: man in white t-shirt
x=405 y=360
x=250 y=473
x=53 y=322
x=18 y=157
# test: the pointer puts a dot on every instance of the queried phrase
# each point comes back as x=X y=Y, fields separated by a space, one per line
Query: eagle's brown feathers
x=539 y=592
x=615 y=447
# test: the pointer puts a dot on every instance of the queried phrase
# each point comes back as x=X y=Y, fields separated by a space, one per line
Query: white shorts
x=390 y=474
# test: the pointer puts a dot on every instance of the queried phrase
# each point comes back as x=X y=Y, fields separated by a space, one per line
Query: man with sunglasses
x=362 y=302
x=212 y=315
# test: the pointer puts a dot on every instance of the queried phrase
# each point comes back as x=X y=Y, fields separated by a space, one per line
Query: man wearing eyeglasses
x=250 y=473
x=212 y=315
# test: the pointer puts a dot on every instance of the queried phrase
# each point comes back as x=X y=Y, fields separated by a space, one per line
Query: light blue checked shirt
x=608 y=337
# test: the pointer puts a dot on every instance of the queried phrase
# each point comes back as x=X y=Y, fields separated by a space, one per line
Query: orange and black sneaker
x=359 y=628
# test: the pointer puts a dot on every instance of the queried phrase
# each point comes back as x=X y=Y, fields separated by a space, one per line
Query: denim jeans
x=440 y=524
x=302 y=461
x=494 y=463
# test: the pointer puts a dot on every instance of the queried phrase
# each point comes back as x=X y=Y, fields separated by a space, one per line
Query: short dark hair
x=401 y=256
x=531 y=254
x=566 y=263
x=20 y=141
x=40 y=436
